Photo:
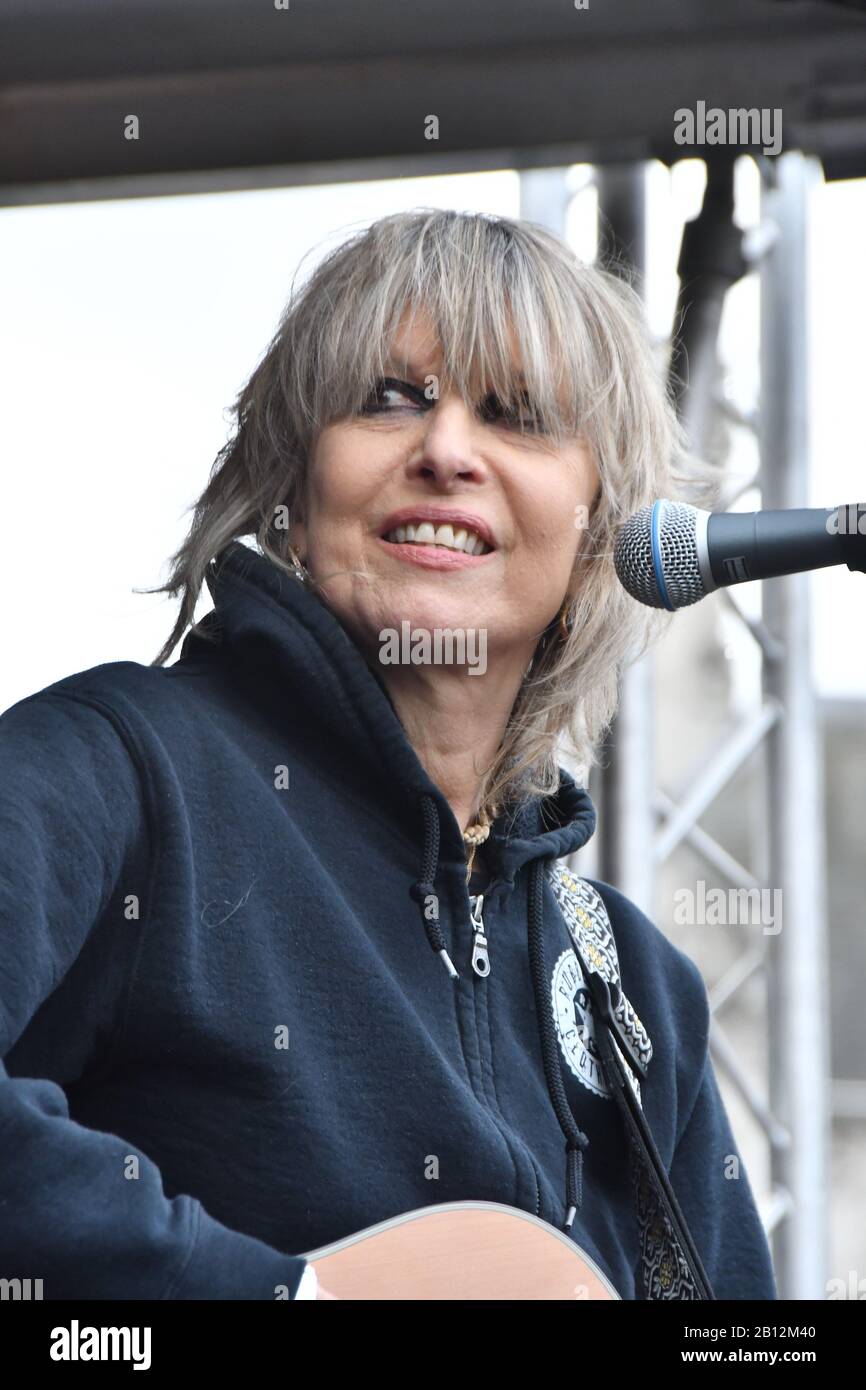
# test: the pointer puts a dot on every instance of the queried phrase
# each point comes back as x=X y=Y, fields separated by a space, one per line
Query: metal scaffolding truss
x=641 y=826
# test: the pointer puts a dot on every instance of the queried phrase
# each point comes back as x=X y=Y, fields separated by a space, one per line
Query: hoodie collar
x=265 y=618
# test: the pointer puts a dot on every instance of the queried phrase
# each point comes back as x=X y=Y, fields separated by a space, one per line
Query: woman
x=226 y=1039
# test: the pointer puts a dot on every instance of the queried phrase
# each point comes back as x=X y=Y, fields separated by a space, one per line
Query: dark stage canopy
x=242 y=94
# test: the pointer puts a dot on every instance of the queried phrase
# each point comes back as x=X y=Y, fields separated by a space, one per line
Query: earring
x=297 y=567
x=558 y=628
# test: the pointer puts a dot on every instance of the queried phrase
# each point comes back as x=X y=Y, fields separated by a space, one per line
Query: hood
x=269 y=625
x=269 y=621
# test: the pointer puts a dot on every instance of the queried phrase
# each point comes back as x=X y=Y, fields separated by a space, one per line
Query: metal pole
x=627 y=820
x=797 y=973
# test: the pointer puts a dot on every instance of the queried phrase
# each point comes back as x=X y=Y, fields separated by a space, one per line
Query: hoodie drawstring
x=424 y=894
x=424 y=891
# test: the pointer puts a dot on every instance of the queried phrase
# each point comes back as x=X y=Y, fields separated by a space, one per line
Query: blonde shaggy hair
x=589 y=369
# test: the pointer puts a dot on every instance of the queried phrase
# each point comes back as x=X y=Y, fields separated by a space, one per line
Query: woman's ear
x=298 y=539
x=297 y=529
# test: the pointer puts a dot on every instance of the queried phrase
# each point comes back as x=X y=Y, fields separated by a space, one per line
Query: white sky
x=127 y=328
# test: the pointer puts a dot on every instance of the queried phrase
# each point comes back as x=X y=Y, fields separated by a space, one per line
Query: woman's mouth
x=459 y=539
x=437 y=539
x=437 y=545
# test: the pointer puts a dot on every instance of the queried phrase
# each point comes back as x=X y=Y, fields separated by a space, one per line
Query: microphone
x=670 y=554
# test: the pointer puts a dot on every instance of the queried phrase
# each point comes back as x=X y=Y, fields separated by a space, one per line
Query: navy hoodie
x=226 y=1039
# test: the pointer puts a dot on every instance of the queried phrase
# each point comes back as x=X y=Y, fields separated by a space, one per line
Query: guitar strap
x=670 y=1262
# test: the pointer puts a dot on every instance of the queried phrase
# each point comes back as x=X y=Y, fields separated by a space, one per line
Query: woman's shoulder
x=99 y=689
x=117 y=686
x=103 y=720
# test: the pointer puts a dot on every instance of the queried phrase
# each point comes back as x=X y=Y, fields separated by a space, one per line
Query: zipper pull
x=480 y=958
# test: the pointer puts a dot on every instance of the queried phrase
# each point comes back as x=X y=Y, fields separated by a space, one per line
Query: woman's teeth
x=427 y=534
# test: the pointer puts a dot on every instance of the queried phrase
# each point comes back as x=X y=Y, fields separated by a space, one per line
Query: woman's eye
x=493 y=409
x=380 y=399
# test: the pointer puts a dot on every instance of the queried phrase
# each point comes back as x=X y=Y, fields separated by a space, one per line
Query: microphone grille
x=678 y=551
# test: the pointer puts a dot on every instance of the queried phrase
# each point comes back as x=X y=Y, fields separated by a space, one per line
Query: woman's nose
x=449 y=449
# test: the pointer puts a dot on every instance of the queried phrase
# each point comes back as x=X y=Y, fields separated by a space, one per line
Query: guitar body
x=459 y=1251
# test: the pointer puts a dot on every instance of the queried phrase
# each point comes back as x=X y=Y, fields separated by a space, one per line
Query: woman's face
x=425 y=463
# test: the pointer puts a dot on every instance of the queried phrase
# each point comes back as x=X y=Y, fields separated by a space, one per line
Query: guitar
x=459 y=1251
